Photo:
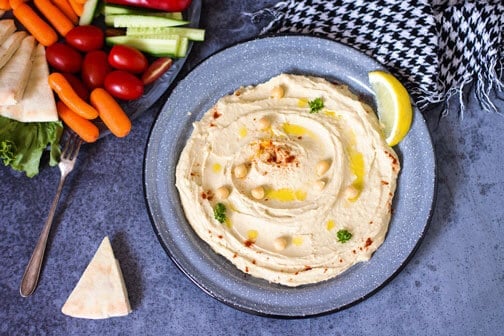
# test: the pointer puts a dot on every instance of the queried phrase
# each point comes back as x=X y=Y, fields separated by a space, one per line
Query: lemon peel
x=394 y=106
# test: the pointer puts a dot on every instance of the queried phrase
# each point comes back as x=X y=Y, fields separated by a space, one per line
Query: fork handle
x=31 y=275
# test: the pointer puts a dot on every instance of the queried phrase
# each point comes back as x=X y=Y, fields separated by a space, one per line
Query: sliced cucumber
x=121 y=20
x=167 y=46
x=88 y=13
x=110 y=9
x=183 y=47
x=193 y=34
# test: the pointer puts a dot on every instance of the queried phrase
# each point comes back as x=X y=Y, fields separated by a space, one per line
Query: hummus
x=290 y=180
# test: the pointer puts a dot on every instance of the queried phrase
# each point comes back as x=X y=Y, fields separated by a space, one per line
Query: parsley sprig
x=343 y=236
x=220 y=212
x=316 y=105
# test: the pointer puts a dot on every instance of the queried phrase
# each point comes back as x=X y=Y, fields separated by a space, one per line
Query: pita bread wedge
x=9 y=47
x=37 y=104
x=7 y=27
x=15 y=73
x=100 y=292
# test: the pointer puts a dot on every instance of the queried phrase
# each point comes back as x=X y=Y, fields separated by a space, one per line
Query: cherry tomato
x=127 y=58
x=77 y=85
x=156 y=69
x=63 y=58
x=94 y=68
x=123 y=85
x=85 y=38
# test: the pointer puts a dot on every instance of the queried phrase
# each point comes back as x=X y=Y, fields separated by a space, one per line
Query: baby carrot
x=67 y=94
x=5 y=5
x=84 y=128
x=14 y=3
x=40 y=29
x=65 y=7
x=111 y=113
x=77 y=7
x=55 y=16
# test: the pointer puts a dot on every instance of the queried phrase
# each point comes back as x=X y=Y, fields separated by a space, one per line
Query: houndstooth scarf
x=436 y=48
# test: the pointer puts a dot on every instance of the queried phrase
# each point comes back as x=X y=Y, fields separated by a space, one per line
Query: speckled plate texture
x=251 y=63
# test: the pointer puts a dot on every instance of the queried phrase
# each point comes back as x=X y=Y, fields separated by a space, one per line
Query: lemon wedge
x=394 y=106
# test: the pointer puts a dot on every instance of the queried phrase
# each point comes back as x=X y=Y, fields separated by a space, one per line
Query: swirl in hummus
x=307 y=188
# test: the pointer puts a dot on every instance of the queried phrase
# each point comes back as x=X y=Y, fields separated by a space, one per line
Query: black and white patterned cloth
x=436 y=48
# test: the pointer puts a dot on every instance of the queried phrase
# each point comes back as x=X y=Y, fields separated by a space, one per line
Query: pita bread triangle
x=38 y=104
x=100 y=292
x=7 y=27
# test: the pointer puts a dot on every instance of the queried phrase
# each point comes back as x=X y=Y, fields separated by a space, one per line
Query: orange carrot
x=81 y=1
x=84 y=128
x=77 y=7
x=15 y=3
x=5 y=5
x=65 y=7
x=66 y=93
x=40 y=29
x=111 y=113
x=55 y=16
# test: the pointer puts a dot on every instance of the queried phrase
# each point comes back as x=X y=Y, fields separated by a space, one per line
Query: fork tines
x=72 y=145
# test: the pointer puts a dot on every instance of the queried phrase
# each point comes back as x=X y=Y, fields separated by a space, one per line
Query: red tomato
x=63 y=58
x=85 y=38
x=123 y=85
x=77 y=85
x=156 y=69
x=94 y=68
x=126 y=58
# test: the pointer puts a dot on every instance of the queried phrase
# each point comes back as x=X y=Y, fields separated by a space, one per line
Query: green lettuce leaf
x=22 y=144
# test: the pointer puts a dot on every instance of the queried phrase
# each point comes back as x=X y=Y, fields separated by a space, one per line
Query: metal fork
x=66 y=164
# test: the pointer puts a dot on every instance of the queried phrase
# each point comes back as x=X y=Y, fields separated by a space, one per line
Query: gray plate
x=253 y=62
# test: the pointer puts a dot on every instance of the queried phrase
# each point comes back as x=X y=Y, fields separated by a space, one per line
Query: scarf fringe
x=488 y=87
x=488 y=84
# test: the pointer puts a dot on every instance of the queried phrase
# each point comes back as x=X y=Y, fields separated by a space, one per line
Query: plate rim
x=231 y=303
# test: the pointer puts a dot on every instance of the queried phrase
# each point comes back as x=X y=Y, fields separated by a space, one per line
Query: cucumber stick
x=88 y=12
x=110 y=9
x=158 y=46
x=125 y=20
x=193 y=34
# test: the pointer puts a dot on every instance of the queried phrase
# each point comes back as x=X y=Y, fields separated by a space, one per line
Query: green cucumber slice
x=121 y=20
x=175 y=46
x=88 y=12
x=110 y=9
x=193 y=34
x=183 y=47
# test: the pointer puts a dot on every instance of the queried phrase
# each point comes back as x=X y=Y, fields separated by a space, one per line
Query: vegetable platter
x=101 y=64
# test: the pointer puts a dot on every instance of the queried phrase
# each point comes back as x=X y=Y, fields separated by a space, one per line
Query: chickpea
x=322 y=167
x=280 y=243
x=277 y=92
x=320 y=184
x=240 y=171
x=222 y=192
x=264 y=123
x=258 y=193
x=351 y=192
